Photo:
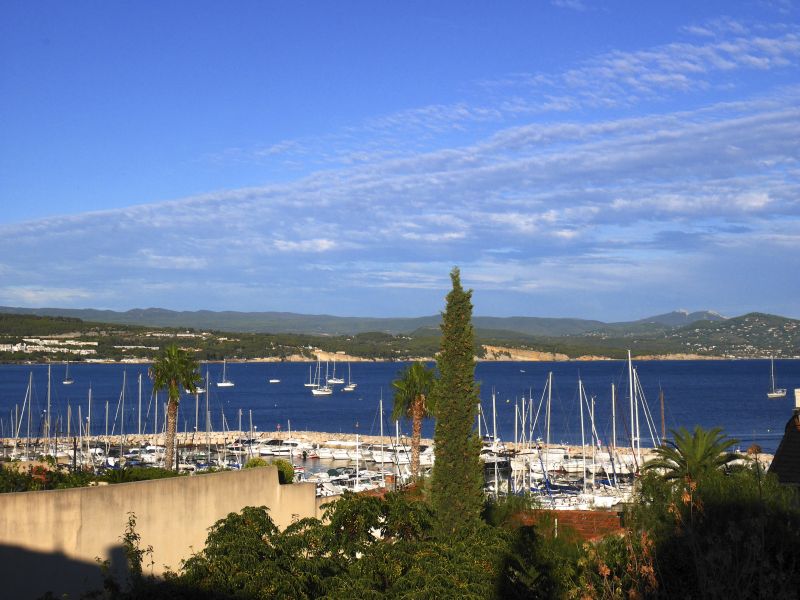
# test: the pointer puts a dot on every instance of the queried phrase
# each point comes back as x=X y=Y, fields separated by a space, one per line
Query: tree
x=689 y=456
x=412 y=398
x=457 y=482
x=172 y=370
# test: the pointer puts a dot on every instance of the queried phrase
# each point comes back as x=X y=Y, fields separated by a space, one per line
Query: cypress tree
x=457 y=482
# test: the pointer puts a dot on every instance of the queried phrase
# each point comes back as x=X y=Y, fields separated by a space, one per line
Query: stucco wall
x=71 y=528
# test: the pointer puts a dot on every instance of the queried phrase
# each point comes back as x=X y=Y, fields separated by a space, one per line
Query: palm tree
x=691 y=455
x=412 y=398
x=172 y=370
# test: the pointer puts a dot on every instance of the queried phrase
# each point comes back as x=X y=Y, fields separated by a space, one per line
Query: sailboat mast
x=613 y=419
x=30 y=412
x=139 y=429
x=638 y=427
x=80 y=432
x=122 y=415
x=89 y=416
x=397 y=449
x=583 y=438
x=772 y=371
x=383 y=450
x=494 y=417
x=549 y=401
x=592 y=436
x=632 y=401
x=47 y=415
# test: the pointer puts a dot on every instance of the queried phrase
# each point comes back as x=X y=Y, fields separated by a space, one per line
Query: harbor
x=580 y=449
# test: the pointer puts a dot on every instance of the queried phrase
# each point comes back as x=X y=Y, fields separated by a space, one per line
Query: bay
x=715 y=393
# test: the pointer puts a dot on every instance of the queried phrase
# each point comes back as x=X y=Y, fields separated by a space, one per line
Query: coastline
x=329 y=439
x=496 y=354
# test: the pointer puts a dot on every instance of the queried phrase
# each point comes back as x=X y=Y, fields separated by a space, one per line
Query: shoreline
x=542 y=357
x=330 y=439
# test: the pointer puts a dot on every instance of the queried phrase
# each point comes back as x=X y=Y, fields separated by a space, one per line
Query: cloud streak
x=539 y=204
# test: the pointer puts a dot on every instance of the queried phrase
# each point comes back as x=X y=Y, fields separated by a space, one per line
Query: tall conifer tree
x=457 y=483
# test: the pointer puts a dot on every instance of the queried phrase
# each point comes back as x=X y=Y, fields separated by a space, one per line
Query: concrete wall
x=69 y=529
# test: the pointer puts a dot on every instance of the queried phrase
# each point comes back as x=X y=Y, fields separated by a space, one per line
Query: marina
x=578 y=449
x=730 y=394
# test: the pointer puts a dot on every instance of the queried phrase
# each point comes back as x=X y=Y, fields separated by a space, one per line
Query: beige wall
x=71 y=528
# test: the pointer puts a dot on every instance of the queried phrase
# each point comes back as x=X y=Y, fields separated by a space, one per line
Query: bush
x=285 y=470
x=255 y=462
x=129 y=474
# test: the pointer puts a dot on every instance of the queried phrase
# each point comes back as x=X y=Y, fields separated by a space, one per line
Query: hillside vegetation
x=750 y=335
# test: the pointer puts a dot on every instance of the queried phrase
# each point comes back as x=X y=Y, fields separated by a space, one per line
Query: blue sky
x=602 y=160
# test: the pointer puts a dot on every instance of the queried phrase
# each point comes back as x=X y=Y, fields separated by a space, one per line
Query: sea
x=731 y=394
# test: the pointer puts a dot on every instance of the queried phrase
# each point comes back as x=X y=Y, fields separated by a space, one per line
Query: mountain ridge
x=323 y=324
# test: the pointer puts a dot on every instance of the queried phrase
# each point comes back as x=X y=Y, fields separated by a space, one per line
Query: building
x=786 y=464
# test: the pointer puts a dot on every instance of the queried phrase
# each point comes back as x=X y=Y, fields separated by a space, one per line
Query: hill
x=285 y=322
x=751 y=335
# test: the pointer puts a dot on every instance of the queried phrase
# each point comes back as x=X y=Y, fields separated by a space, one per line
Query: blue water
x=728 y=394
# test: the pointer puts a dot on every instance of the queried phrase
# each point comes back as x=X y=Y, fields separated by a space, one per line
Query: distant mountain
x=284 y=322
x=679 y=318
x=656 y=325
x=749 y=335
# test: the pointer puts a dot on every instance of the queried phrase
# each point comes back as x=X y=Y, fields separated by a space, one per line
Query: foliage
x=413 y=398
x=246 y=556
x=352 y=522
x=129 y=474
x=539 y=564
x=457 y=482
x=285 y=470
x=134 y=553
x=255 y=462
x=465 y=567
x=692 y=456
x=714 y=534
x=734 y=535
x=172 y=370
x=13 y=478
x=505 y=510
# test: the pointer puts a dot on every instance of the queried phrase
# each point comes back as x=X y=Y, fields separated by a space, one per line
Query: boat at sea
x=774 y=393
x=320 y=389
x=333 y=379
x=351 y=385
x=67 y=379
x=225 y=382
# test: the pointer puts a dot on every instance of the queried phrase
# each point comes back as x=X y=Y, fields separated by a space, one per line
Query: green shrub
x=285 y=470
x=129 y=474
x=255 y=462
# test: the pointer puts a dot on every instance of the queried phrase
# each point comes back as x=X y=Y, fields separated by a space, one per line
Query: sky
x=606 y=160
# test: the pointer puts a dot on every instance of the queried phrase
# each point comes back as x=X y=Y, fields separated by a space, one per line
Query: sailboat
x=774 y=392
x=224 y=382
x=334 y=379
x=318 y=389
x=310 y=383
x=67 y=379
x=350 y=385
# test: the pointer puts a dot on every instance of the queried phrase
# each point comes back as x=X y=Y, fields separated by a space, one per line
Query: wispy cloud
x=578 y=5
x=529 y=195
